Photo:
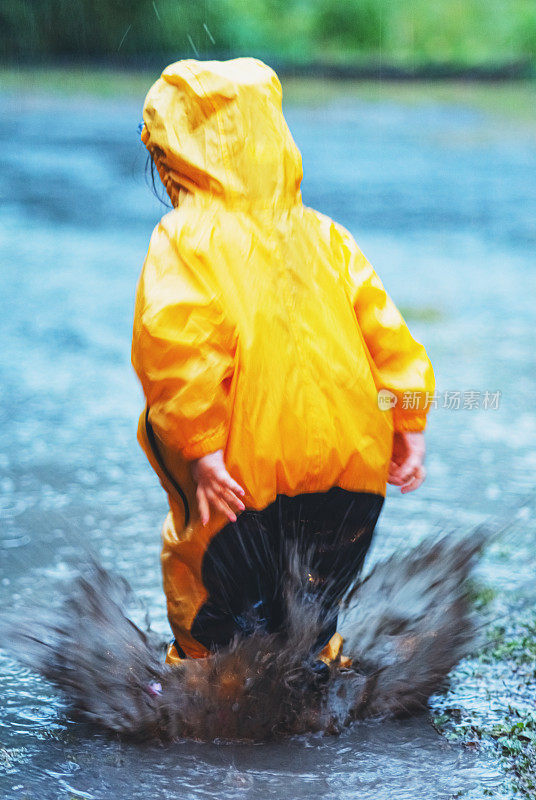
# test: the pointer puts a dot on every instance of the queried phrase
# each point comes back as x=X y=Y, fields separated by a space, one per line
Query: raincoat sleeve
x=183 y=349
x=401 y=363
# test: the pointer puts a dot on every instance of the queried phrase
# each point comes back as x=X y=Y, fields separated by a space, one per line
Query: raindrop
x=124 y=37
x=212 y=39
x=194 y=48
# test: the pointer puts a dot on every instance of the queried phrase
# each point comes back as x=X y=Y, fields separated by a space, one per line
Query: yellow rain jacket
x=260 y=327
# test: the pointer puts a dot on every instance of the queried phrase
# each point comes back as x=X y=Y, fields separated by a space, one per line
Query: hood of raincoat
x=217 y=127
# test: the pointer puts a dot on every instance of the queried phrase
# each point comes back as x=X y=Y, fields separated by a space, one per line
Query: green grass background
x=407 y=33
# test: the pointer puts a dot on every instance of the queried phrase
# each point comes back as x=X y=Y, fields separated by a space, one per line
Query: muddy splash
x=405 y=626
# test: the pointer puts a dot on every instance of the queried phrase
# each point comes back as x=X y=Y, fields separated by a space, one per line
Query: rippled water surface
x=440 y=201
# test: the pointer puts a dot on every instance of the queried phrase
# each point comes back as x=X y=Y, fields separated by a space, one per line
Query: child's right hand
x=215 y=487
x=407 y=461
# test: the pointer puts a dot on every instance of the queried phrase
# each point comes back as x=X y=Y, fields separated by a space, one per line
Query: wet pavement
x=440 y=200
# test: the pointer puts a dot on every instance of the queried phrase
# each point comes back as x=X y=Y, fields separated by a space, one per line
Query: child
x=262 y=339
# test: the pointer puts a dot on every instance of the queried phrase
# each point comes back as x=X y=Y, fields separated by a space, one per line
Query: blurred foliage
x=413 y=32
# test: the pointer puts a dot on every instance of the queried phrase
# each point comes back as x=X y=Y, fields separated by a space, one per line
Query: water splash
x=405 y=626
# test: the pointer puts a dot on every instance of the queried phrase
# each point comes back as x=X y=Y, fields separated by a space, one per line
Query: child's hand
x=215 y=487
x=406 y=468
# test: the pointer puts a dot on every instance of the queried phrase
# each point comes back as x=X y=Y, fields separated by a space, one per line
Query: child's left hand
x=407 y=461
x=215 y=487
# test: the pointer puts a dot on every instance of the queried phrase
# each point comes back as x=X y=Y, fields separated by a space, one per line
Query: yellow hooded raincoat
x=260 y=327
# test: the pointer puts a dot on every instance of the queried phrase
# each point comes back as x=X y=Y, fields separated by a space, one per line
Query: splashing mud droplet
x=405 y=626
